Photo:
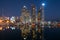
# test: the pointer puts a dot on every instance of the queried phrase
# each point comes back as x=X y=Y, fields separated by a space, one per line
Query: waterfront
x=49 y=34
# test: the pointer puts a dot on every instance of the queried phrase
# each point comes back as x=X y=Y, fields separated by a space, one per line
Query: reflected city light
x=30 y=20
x=1 y=28
x=28 y=24
x=7 y=27
x=24 y=38
x=13 y=28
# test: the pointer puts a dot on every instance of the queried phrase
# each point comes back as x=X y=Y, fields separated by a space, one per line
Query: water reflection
x=18 y=34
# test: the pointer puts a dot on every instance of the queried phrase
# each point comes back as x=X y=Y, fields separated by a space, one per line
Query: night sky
x=13 y=7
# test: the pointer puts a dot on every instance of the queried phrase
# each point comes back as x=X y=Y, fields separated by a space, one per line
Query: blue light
x=43 y=4
x=13 y=28
x=24 y=7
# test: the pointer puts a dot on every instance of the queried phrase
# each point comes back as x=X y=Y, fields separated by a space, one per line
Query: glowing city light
x=1 y=21
x=7 y=27
x=30 y=20
x=24 y=6
x=43 y=4
x=7 y=21
x=24 y=38
x=1 y=28
x=12 y=19
x=49 y=22
x=13 y=28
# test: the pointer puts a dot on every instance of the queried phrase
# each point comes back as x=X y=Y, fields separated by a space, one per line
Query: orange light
x=1 y=21
x=7 y=21
x=1 y=28
x=33 y=25
x=7 y=27
x=58 y=25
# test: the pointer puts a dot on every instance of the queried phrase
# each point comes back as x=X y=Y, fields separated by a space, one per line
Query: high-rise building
x=33 y=16
x=33 y=13
x=39 y=18
x=23 y=13
x=27 y=15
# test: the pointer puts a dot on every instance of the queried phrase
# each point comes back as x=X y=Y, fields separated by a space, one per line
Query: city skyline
x=13 y=7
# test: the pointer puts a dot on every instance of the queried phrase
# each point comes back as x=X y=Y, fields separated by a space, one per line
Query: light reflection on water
x=49 y=33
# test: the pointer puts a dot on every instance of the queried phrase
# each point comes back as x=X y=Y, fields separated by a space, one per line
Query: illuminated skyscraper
x=42 y=14
x=33 y=13
x=27 y=15
x=39 y=17
x=39 y=22
x=23 y=13
x=33 y=16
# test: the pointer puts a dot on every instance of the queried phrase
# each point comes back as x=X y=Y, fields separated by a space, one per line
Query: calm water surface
x=49 y=34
